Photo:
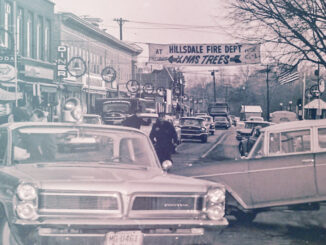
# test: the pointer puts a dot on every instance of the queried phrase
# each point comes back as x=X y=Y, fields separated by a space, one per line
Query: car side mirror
x=166 y=165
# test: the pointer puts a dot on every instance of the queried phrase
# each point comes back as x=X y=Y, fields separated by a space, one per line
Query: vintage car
x=193 y=128
x=285 y=169
x=209 y=123
x=92 y=119
x=222 y=122
x=247 y=131
x=114 y=193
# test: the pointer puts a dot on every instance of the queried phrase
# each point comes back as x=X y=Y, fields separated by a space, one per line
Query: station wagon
x=286 y=168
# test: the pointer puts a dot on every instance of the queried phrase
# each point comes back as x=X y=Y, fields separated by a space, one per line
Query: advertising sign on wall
x=204 y=54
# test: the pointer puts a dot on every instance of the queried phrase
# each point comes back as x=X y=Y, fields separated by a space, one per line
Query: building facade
x=97 y=50
x=26 y=27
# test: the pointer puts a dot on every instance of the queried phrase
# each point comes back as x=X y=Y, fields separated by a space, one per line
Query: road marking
x=210 y=149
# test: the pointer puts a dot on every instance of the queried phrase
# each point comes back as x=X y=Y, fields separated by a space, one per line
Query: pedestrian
x=134 y=121
x=163 y=136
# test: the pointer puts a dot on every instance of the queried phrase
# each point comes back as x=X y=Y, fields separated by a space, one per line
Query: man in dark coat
x=163 y=136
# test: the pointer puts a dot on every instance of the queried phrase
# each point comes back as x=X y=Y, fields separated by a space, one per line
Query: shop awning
x=9 y=96
x=316 y=104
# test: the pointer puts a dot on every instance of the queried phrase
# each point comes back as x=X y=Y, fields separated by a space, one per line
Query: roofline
x=296 y=124
x=90 y=26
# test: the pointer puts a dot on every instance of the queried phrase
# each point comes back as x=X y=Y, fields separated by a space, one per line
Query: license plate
x=124 y=238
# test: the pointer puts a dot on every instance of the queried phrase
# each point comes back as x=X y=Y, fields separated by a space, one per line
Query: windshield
x=220 y=119
x=190 y=122
x=116 y=106
x=81 y=144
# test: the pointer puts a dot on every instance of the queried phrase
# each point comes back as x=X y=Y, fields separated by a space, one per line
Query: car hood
x=244 y=131
x=104 y=178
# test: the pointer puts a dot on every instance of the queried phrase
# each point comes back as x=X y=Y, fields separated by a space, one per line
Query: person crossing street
x=163 y=136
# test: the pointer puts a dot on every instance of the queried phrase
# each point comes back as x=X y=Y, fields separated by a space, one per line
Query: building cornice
x=67 y=18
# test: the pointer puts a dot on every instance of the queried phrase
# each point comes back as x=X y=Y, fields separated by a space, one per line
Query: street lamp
x=281 y=105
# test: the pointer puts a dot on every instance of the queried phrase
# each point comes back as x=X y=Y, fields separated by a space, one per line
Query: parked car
x=245 y=132
x=97 y=195
x=92 y=119
x=222 y=122
x=193 y=128
x=285 y=169
x=209 y=124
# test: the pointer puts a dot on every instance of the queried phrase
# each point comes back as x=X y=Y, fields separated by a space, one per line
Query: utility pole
x=120 y=22
x=214 y=85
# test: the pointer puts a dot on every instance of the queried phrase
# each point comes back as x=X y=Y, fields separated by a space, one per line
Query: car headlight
x=203 y=129
x=215 y=196
x=215 y=212
x=215 y=203
x=26 y=192
x=26 y=210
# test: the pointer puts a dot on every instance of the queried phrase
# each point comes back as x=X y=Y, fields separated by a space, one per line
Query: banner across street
x=204 y=54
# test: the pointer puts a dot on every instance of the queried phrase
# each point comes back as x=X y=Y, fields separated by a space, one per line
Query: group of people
x=163 y=135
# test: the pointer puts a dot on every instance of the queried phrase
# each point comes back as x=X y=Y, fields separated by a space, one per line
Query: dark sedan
x=193 y=128
x=222 y=122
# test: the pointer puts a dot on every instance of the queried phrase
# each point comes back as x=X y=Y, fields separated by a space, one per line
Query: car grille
x=190 y=130
x=167 y=203
x=61 y=202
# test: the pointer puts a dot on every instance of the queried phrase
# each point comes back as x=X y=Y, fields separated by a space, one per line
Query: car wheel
x=204 y=139
x=245 y=217
x=5 y=233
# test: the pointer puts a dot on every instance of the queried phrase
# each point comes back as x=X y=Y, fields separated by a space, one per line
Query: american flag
x=288 y=74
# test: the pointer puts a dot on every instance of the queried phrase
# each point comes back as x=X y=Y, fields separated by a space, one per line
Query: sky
x=181 y=14
x=157 y=21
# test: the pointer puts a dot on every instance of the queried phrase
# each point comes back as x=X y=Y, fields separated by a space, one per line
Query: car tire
x=245 y=217
x=5 y=233
x=204 y=139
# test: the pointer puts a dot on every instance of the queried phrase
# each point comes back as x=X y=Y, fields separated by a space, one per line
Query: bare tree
x=294 y=30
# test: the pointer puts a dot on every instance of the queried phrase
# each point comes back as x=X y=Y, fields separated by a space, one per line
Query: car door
x=320 y=158
x=286 y=174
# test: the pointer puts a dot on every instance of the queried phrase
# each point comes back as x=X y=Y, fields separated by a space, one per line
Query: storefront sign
x=204 y=54
x=38 y=72
x=62 y=62
x=7 y=72
x=76 y=67
x=94 y=81
x=133 y=86
x=109 y=74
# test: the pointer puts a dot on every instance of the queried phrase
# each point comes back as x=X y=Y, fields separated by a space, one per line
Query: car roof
x=296 y=125
x=15 y=125
x=196 y=118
